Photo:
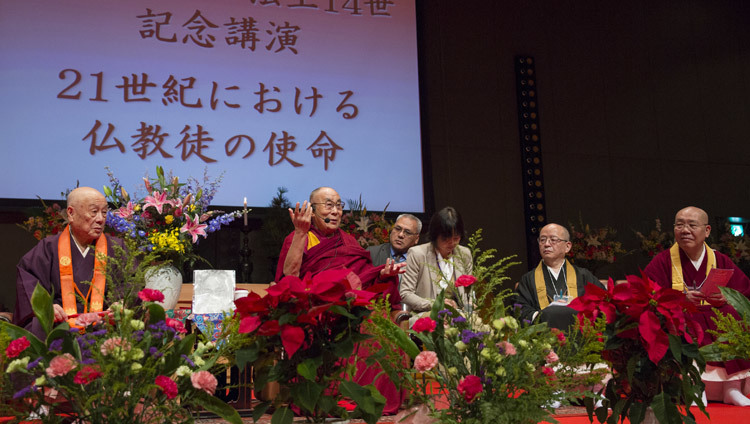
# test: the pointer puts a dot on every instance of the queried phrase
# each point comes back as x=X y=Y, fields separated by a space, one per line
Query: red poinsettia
x=291 y=308
x=658 y=312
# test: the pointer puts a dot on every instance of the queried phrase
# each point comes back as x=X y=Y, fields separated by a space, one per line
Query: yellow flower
x=169 y=219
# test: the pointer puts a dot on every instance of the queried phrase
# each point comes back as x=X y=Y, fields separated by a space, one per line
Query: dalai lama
x=317 y=244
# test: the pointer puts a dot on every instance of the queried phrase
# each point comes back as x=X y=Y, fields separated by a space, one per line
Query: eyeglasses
x=691 y=225
x=329 y=205
x=552 y=240
x=399 y=229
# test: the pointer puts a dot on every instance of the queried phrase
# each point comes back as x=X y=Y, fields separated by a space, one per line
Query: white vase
x=168 y=280
x=650 y=417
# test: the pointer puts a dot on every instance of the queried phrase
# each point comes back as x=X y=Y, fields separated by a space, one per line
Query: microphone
x=326 y=220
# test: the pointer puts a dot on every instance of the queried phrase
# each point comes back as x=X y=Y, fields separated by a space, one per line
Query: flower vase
x=650 y=417
x=168 y=280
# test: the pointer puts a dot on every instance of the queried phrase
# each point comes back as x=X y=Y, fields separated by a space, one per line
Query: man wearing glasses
x=403 y=235
x=318 y=244
x=684 y=267
x=545 y=292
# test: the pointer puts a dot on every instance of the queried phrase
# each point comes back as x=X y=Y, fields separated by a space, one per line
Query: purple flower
x=468 y=335
x=444 y=312
x=56 y=345
x=21 y=393
x=99 y=333
x=34 y=363
x=459 y=319
x=88 y=361
x=155 y=352
x=188 y=360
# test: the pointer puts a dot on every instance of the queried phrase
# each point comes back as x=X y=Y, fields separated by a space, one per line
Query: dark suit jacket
x=380 y=253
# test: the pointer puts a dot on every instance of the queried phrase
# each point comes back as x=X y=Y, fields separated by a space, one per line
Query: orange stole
x=94 y=299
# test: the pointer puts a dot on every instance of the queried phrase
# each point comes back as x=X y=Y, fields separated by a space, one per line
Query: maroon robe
x=342 y=251
x=660 y=270
x=42 y=264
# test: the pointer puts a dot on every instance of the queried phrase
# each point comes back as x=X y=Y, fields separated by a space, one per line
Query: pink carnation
x=90 y=318
x=507 y=348
x=425 y=361
x=424 y=324
x=552 y=357
x=470 y=386
x=61 y=365
x=16 y=347
x=113 y=343
x=465 y=280
x=151 y=295
x=204 y=380
x=167 y=385
x=176 y=325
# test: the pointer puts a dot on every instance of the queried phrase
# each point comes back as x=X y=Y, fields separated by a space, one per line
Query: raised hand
x=301 y=217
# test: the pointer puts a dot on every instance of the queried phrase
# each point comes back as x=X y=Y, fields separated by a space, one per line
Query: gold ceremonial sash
x=678 y=281
x=541 y=286
x=312 y=240
x=94 y=299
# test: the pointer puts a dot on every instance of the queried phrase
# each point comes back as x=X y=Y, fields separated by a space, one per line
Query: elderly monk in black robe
x=66 y=264
x=546 y=291
x=684 y=267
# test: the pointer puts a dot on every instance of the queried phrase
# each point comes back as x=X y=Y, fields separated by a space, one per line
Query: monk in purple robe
x=87 y=212
x=317 y=244
x=684 y=267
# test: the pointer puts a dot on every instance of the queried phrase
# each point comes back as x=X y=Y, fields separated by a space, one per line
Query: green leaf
x=15 y=332
x=41 y=303
x=675 y=346
x=344 y=348
x=259 y=410
x=245 y=356
x=399 y=337
x=282 y=415
x=306 y=393
x=369 y=401
x=309 y=368
x=338 y=309
x=219 y=407
x=155 y=313
x=740 y=303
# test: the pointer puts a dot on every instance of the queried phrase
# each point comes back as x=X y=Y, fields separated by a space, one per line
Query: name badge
x=561 y=298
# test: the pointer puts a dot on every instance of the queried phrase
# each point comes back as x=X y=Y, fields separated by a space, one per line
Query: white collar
x=697 y=263
x=83 y=251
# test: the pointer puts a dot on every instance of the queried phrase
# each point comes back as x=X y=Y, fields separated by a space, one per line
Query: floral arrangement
x=732 y=334
x=504 y=371
x=369 y=229
x=652 y=348
x=131 y=364
x=593 y=246
x=170 y=219
x=487 y=365
x=53 y=220
x=655 y=241
x=305 y=335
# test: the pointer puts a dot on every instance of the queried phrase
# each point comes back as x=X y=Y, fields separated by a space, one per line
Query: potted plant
x=652 y=348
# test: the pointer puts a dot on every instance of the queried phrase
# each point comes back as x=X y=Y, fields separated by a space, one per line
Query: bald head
x=696 y=212
x=554 y=244
x=87 y=212
x=326 y=204
x=691 y=230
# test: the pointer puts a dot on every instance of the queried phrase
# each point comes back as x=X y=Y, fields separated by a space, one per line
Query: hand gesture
x=59 y=312
x=392 y=268
x=695 y=296
x=301 y=217
x=716 y=300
